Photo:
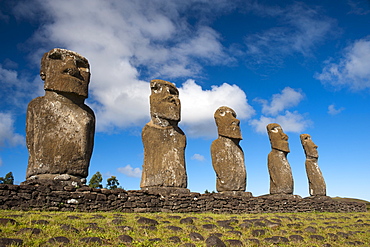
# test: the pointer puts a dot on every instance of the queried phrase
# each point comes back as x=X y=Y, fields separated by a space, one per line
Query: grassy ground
x=335 y=229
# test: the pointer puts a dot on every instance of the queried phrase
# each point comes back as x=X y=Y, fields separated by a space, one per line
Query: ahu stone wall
x=86 y=199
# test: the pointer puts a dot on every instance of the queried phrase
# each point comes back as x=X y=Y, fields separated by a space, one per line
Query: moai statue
x=164 y=142
x=316 y=182
x=227 y=155
x=281 y=179
x=59 y=126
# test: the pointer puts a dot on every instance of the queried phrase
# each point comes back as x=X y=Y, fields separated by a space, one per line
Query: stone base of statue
x=320 y=198
x=166 y=190
x=236 y=193
x=55 y=180
x=281 y=196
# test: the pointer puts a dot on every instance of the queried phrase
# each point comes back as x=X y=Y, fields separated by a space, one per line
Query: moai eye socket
x=275 y=130
x=81 y=63
x=157 y=88
x=56 y=55
x=172 y=91
x=222 y=113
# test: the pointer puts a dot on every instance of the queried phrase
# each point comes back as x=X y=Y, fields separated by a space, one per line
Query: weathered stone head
x=65 y=71
x=164 y=100
x=278 y=139
x=227 y=124
x=310 y=149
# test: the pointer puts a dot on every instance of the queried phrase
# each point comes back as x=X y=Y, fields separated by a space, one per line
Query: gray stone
x=194 y=236
x=10 y=241
x=215 y=242
x=125 y=238
x=281 y=178
x=59 y=126
x=227 y=155
x=147 y=221
x=234 y=242
x=317 y=237
x=164 y=142
x=91 y=240
x=316 y=182
x=296 y=238
x=59 y=239
x=174 y=239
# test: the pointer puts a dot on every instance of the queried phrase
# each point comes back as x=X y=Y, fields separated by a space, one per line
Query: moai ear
x=43 y=75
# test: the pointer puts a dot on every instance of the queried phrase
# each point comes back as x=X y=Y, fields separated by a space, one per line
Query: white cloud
x=7 y=135
x=358 y=7
x=299 y=29
x=198 y=157
x=17 y=90
x=286 y=99
x=130 y=171
x=198 y=106
x=129 y=43
x=333 y=111
x=352 y=70
x=290 y=122
x=272 y=112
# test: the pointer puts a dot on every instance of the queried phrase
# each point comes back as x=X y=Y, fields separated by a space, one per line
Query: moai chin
x=281 y=179
x=316 y=182
x=164 y=142
x=59 y=126
x=227 y=155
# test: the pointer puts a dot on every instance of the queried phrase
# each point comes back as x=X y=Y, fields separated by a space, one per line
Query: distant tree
x=206 y=192
x=95 y=181
x=9 y=179
x=112 y=183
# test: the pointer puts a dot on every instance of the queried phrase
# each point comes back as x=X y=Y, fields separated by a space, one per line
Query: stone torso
x=60 y=136
x=164 y=157
x=281 y=178
x=317 y=186
x=228 y=163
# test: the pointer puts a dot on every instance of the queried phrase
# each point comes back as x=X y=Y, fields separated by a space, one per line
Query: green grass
x=348 y=223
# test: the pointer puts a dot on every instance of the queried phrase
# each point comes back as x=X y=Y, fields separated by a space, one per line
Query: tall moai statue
x=164 y=142
x=227 y=155
x=316 y=182
x=59 y=126
x=281 y=178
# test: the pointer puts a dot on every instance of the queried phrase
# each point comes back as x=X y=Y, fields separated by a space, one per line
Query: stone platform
x=86 y=199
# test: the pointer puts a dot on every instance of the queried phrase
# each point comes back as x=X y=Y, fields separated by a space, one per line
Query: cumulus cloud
x=198 y=157
x=128 y=43
x=17 y=90
x=359 y=7
x=275 y=112
x=334 y=111
x=8 y=137
x=130 y=171
x=198 y=106
x=286 y=99
x=299 y=29
x=289 y=121
x=352 y=69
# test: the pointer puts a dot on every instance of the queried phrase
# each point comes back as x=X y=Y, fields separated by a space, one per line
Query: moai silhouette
x=59 y=126
x=281 y=178
x=227 y=155
x=316 y=182
x=164 y=142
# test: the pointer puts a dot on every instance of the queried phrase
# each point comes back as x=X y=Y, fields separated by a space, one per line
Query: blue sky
x=302 y=64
